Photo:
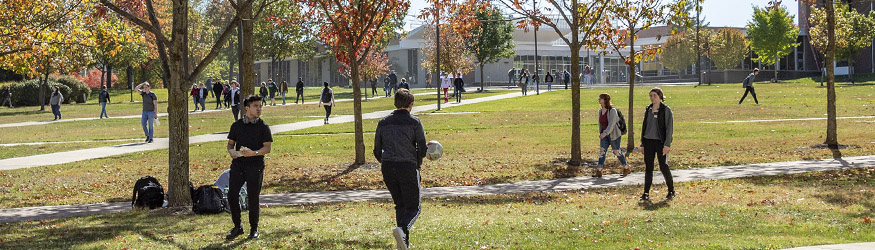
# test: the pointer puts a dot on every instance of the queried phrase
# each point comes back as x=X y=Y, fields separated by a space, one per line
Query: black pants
x=300 y=96
x=752 y=93
x=458 y=94
x=402 y=181
x=373 y=90
x=653 y=148
x=218 y=95
x=327 y=111
x=235 y=111
x=227 y=101
x=566 y=84
x=252 y=174
x=7 y=100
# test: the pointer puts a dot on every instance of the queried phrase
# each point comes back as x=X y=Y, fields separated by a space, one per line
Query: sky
x=720 y=13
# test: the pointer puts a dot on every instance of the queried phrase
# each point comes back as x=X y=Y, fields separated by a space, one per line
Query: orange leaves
x=867 y=220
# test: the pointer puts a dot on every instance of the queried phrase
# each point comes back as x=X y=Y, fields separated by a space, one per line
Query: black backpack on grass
x=148 y=193
x=208 y=199
x=621 y=123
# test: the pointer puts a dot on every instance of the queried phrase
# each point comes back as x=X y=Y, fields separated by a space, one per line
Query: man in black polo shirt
x=248 y=141
x=400 y=145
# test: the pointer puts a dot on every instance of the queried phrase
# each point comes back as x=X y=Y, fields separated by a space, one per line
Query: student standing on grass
x=203 y=93
x=748 y=86
x=609 y=134
x=150 y=105
x=299 y=89
x=284 y=87
x=103 y=99
x=656 y=138
x=524 y=81
x=549 y=80
x=271 y=87
x=7 y=96
x=234 y=97
x=217 y=92
x=458 y=87
x=374 y=87
x=399 y=146
x=326 y=100
x=566 y=78
x=55 y=102
x=248 y=142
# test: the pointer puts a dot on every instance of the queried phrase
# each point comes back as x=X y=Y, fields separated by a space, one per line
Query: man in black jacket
x=217 y=92
x=400 y=145
x=299 y=88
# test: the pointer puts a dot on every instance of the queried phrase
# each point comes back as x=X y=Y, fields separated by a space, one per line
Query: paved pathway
x=636 y=178
x=163 y=143
x=852 y=246
x=795 y=119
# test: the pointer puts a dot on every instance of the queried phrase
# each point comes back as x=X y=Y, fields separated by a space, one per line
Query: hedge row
x=26 y=93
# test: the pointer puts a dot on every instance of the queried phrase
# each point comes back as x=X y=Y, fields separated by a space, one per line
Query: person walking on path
x=748 y=86
x=248 y=142
x=393 y=82
x=284 y=87
x=566 y=78
x=299 y=90
x=234 y=99
x=446 y=81
x=326 y=100
x=262 y=91
x=511 y=75
x=226 y=95
x=103 y=99
x=656 y=139
x=55 y=101
x=150 y=105
x=218 y=88
x=7 y=96
x=399 y=146
x=458 y=87
x=202 y=95
x=194 y=95
x=549 y=80
x=272 y=88
x=587 y=75
x=524 y=81
x=374 y=87
x=386 y=83
x=609 y=134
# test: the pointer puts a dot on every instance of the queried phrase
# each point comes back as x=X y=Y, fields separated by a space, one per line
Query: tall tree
x=276 y=36
x=178 y=75
x=830 y=32
x=678 y=53
x=493 y=40
x=455 y=55
x=352 y=28
x=854 y=32
x=772 y=34
x=586 y=21
x=634 y=16
x=118 y=43
x=728 y=48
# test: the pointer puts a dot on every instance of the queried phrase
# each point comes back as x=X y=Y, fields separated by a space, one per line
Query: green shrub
x=26 y=93
x=79 y=90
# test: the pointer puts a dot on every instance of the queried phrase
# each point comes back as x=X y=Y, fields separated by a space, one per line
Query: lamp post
x=537 y=75
x=438 y=54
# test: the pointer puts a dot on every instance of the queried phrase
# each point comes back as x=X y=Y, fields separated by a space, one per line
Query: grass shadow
x=533 y=198
x=650 y=206
x=560 y=168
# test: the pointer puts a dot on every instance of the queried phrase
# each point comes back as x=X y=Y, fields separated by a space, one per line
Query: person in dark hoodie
x=656 y=139
x=103 y=99
x=399 y=146
x=217 y=92
x=299 y=89
x=748 y=86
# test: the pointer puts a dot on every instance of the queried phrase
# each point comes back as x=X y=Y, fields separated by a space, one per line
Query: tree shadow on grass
x=70 y=232
x=327 y=182
x=233 y=244
x=560 y=169
x=22 y=112
x=534 y=198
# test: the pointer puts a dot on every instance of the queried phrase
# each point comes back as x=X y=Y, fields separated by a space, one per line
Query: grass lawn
x=508 y=140
x=751 y=213
x=200 y=123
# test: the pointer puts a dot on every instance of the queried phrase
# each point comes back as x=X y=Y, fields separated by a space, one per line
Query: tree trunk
x=178 y=193
x=357 y=112
x=108 y=76
x=851 y=69
x=776 y=67
x=482 y=80
x=725 y=76
x=576 y=159
x=247 y=55
x=831 y=127
x=630 y=116
x=43 y=87
x=102 y=74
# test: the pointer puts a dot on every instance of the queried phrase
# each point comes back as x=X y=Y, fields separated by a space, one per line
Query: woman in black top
x=248 y=141
x=326 y=100
x=103 y=99
x=656 y=138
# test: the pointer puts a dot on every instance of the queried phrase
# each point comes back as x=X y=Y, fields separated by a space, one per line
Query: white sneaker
x=399 y=238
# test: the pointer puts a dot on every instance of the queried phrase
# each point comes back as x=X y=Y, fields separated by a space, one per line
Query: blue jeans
x=56 y=110
x=103 y=110
x=148 y=117
x=196 y=100
x=283 y=93
x=603 y=150
x=549 y=86
x=203 y=102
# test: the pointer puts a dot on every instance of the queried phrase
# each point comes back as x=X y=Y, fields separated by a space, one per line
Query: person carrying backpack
x=566 y=78
x=610 y=134
x=549 y=80
x=656 y=138
x=748 y=86
x=249 y=140
x=327 y=100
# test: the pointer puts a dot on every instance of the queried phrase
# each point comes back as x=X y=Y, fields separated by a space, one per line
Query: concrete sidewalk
x=163 y=143
x=636 y=178
x=852 y=246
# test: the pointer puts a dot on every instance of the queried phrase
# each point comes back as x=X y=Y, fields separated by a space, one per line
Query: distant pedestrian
x=262 y=91
x=326 y=99
x=7 y=96
x=203 y=93
x=393 y=82
x=374 y=86
x=56 y=100
x=234 y=98
x=194 y=95
x=299 y=90
x=609 y=134
x=226 y=95
x=511 y=75
x=748 y=86
x=103 y=99
x=399 y=146
x=446 y=82
x=150 y=105
x=284 y=88
x=386 y=83
x=566 y=78
x=428 y=80
x=458 y=87
x=272 y=89
x=218 y=88
x=549 y=80
x=404 y=84
x=587 y=75
x=656 y=139
x=524 y=81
